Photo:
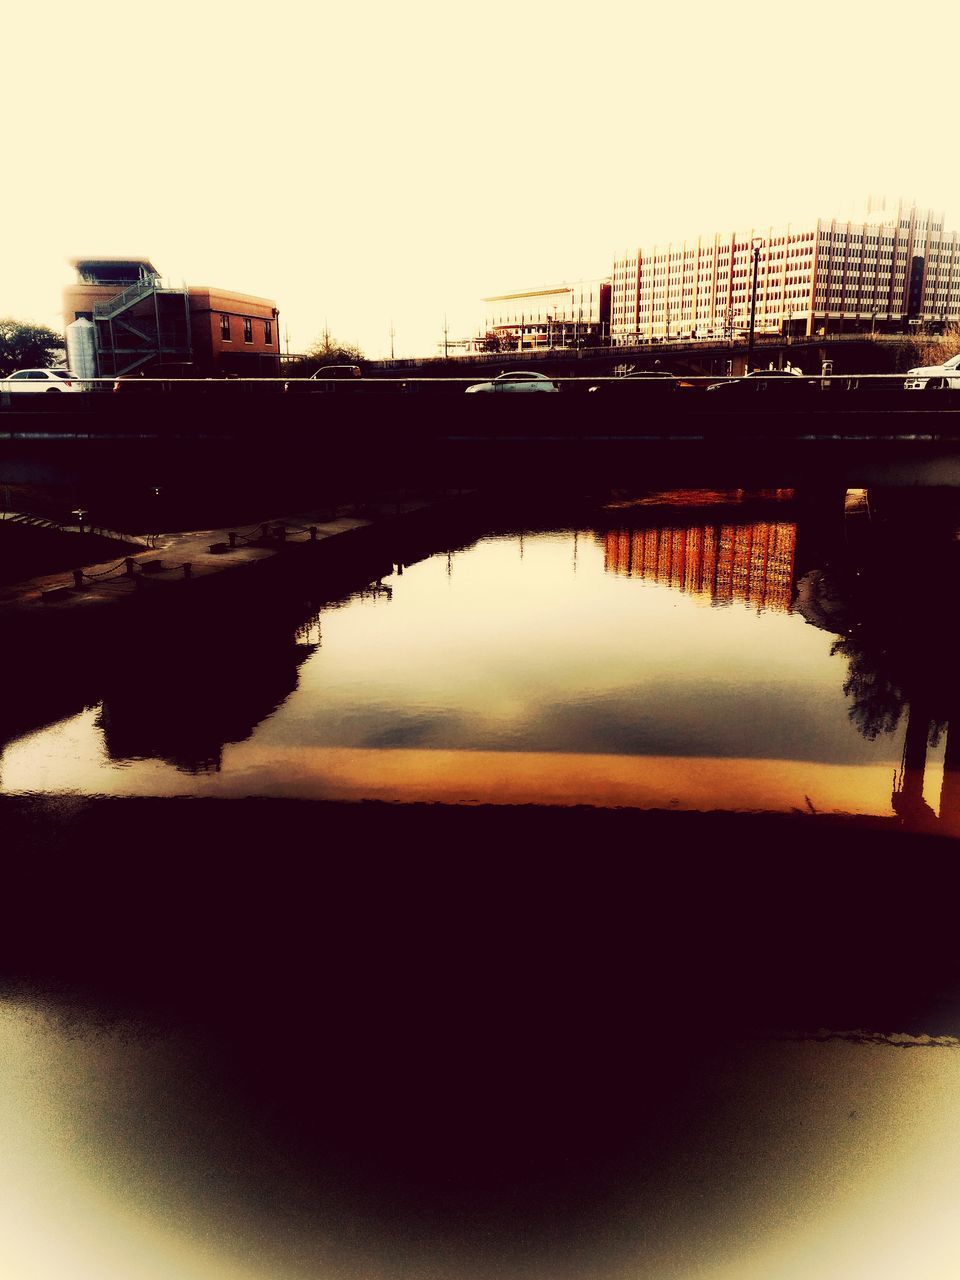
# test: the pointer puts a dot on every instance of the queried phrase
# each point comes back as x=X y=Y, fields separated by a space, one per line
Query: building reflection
x=751 y=563
x=185 y=713
x=881 y=586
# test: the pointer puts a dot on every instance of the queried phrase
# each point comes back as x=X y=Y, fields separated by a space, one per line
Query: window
x=225 y=328
x=267 y=332
x=247 y=330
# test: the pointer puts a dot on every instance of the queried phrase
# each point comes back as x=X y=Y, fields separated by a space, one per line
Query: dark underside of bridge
x=215 y=444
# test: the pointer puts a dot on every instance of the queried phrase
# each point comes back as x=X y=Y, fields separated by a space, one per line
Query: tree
x=30 y=346
x=325 y=350
x=916 y=350
x=329 y=351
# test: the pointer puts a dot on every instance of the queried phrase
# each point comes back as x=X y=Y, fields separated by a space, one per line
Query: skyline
x=384 y=168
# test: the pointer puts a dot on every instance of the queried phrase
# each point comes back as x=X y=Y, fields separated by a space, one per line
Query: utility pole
x=391 y=339
x=445 y=332
x=756 y=246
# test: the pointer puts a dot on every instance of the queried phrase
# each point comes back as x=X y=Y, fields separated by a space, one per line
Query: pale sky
x=378 y=162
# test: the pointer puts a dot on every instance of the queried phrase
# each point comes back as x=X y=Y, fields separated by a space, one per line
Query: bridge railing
x=624 y=376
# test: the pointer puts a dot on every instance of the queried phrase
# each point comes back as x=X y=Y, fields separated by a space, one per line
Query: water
x=682 y=653
x=290 y=1041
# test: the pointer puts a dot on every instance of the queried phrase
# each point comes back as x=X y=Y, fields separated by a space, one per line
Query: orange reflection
x=556 y=778
x=752 y=563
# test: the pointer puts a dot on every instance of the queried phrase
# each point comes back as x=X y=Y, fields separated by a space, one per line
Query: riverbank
x=191 y=569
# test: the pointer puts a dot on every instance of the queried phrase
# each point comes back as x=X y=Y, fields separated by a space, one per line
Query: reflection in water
x=891 y=609
x=748 y=562
x=524 y=668
x=439 y=1045
x=185 y=714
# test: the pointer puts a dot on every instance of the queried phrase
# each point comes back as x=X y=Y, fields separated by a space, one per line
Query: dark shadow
x=186 y=707
x=887 y=592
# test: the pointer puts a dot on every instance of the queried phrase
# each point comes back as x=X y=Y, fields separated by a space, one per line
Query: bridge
x=850 y=353
x=208 y=439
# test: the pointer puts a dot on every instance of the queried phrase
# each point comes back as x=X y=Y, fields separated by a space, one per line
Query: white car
x=944 y=376
x=517 y=382
x=41 y=380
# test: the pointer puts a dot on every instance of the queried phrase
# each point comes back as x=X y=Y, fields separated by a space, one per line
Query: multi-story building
x=121 y=318
x=753 y=563
x=566 y=315
x=894 y=268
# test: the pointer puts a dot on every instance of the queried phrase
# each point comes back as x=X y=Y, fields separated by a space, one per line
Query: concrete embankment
x=325 y=552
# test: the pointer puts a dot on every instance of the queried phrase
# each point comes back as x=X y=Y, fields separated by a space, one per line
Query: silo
x=82 y=349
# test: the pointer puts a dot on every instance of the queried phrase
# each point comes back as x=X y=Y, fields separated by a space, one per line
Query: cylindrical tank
x=82 y=349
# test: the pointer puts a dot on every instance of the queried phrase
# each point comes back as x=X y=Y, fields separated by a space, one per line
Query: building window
x=267 y=332
x=248 y=330
x=225 y=328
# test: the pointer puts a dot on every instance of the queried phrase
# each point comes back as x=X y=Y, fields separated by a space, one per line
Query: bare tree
x=326 y=350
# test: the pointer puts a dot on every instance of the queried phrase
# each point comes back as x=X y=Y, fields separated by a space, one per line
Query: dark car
x=657 y=381
x=778 y=382
x=153 y=385
x=326 y=378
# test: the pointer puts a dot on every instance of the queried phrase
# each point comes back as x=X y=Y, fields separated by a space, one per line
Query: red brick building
x=121 y=318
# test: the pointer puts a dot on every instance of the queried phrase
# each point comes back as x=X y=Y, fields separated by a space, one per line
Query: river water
x=691 y=650
x=467 y=1047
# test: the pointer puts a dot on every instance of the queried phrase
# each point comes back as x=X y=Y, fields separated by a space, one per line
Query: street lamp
x=757 y=245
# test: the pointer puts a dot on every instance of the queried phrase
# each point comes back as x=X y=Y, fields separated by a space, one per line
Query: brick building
x=121 y=318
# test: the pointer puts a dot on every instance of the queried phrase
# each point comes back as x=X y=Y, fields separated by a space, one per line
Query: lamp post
x=757 y=245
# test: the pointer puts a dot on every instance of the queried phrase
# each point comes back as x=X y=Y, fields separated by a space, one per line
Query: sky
x=374 y=166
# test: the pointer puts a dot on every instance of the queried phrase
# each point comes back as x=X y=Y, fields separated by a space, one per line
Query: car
x=935 y=377
x=660 y=379
x=772 y=381
x=517 y=382
x=33 y=380
x=152 y=384
x=325 y=377
x=137 y=384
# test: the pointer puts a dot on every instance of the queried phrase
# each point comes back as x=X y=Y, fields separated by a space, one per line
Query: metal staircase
x=147 y=324
x=109 y=307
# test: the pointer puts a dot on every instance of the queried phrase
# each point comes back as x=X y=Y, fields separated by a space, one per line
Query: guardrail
x=118 y=392
x=136 y=382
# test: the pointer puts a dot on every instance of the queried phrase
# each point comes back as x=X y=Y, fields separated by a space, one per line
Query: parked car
x=626 y=385
x=770 y=381
x=935 y=377
x=41 y=380
x=152 y=384
x=325 y=378
x=137 y=384
x=517 y=382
